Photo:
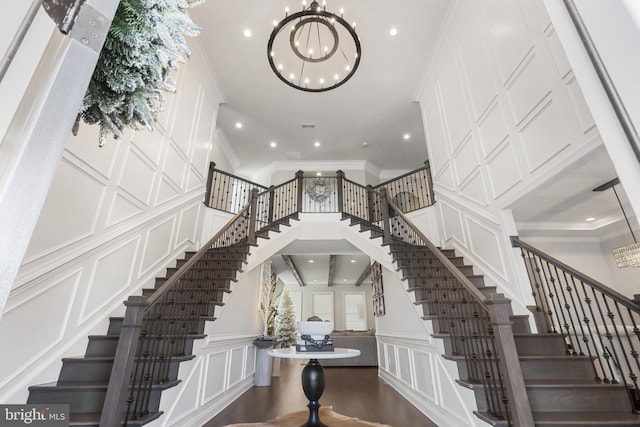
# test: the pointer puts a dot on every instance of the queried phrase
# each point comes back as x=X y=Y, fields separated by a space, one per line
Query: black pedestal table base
x=313 y=381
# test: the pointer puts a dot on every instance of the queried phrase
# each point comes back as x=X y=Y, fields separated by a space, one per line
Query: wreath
x=319 y=190
x=144 y=44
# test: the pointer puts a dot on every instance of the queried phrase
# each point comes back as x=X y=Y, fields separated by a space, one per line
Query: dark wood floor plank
x=355 y=392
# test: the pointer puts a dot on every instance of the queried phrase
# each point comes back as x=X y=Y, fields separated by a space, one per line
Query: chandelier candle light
x=314 y=50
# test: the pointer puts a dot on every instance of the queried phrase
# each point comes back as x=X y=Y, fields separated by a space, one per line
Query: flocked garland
x=144 y=44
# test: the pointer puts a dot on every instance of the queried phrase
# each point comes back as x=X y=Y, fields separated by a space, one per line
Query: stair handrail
x=496 y=305
x=595 y=320
x=249 y=207
x=138 y=307
x=612 y=293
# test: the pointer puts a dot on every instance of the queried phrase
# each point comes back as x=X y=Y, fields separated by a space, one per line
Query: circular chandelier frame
x=306 y=17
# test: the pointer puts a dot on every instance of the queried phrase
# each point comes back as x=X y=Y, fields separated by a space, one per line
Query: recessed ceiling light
x=353 y=260
x=344 y=280
x=318 y=173
x=590 y=219
x=311 y=260
x=316 y=144
x=393 y=32
x=406 y=136
x=273 y=144
x=239 y=125
x=247 y=33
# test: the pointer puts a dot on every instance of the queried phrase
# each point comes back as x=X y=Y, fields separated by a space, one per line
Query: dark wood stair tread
x=586 y=418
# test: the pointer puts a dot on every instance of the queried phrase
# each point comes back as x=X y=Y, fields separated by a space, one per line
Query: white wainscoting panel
x=70 y=213
x=419 y=378
x=465 y=160
x=219 y=374
x=110 y=275
x=138 y=176
x=527 y=88
x=20 y=350
x=492 y=129
x=216 y=375
x=114 y=219
x=454 y=106
x=498 y=82
x=543 y=136
x=157 y=245
x=508 y=34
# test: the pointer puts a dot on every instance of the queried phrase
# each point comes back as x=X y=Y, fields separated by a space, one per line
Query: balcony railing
x=319 y=194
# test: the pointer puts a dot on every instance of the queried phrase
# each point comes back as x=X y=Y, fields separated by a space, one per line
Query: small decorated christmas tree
x=286 y=330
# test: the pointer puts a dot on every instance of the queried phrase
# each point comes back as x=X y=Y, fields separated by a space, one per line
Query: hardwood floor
x=356 y=392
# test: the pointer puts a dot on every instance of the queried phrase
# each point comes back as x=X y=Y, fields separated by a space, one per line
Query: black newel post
x=340 y=177
x=299 y=177
x=207 y=194
x=252 y=217
x=386 y=224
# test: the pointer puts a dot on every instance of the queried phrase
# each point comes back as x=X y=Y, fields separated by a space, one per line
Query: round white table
x=313 y=378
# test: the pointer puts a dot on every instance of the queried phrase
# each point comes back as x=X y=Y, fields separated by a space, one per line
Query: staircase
x=166 y=337
x=518 y=378
x=563 y=388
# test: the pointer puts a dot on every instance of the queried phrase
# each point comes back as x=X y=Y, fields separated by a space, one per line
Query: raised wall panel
x=585 y=119
x=508 y=34
x=84 y=147
x=382 y=356
x=438 y=155
x=236 y=365
x=215 y=376
x=504 y=170
x=483 y=241
x=492 y=128
x=194 y=180
x=559 y=57
x=445 y=178
x=187 y=226
x=70 y=211
x=474 y=189
x=31 y=328
x=204 y=136
x=527 y=89
x=137 y=176
x=452 y=223
x=149 y=143
x=476 y=66
x=157 y=245
x=465 y=160
x=167 y=191
x=175 y=165
x=454 y=108
x=425 y=378
x=392 y=363
x=543 y=137
x=186 y=112
x=121 y=208
x=404 y=364
x=250 y=362
x=111 y=275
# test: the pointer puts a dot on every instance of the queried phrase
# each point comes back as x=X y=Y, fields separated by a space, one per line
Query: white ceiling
x=376 y=106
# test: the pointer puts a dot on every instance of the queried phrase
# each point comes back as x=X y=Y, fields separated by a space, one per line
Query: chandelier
x=628 y=255
x=314 y=50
